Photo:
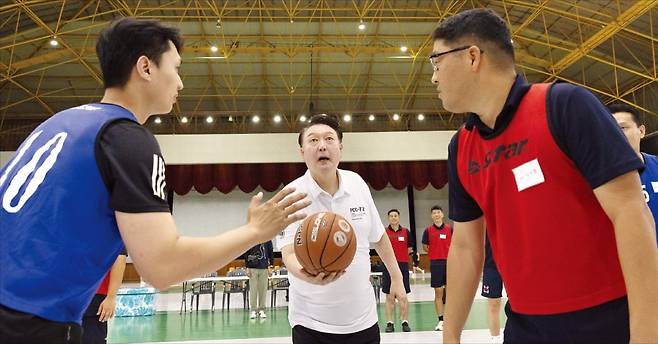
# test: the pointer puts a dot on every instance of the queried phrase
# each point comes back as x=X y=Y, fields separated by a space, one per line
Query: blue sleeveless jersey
x=58 y=234
x=649 y=178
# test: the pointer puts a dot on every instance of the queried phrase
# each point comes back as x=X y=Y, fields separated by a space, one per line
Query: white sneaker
x=262 y=314
x=252 y=315
x=439 y=326
x=496 y=339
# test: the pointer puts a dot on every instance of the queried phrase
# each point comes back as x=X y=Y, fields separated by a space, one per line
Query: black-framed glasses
x=435 y=55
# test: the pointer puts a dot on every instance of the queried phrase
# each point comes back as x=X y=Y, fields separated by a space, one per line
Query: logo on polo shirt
x=505 y=151
x=357 y=213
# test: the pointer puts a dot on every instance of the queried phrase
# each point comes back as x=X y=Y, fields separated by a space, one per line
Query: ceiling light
x=183 y=119
x=302 y=118
x=277 y=119
x=396 y=117
x=371 y=118
x=209 y=119
x=403 y=48
x=213 y=48
x=421 y=117
x=255 y=119
x=362 y=26
x=157 y=120
x=347 y=117
x=54 y=42
x=230 y=118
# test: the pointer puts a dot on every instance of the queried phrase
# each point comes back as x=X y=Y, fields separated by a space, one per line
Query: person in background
x=258 y=261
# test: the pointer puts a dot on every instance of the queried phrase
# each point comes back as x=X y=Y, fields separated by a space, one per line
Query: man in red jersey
x=401 y=243
x=526 y=153
x=436 y=242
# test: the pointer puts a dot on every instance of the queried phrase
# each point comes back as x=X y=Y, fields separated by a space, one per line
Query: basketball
x=325 y=242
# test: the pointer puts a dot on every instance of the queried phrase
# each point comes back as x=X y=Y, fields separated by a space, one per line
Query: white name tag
x=528 y=174
x=400 y=238
x=442 y=236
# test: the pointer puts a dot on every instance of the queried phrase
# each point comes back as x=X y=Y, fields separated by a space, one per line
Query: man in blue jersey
x=90 y=179
x=629 y=121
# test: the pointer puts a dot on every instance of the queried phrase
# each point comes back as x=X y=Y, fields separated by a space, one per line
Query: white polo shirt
x=348 y=304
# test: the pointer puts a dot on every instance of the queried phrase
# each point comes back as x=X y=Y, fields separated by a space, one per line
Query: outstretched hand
x=271 y=217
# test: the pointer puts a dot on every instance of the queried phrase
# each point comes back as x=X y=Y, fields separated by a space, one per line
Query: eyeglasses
x=433 y=57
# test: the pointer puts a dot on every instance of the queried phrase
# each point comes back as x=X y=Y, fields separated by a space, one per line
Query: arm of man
x=579 y=121
x=132 y=167
x=465 y=263
x=624 y=204
x=163 y=258
x=106 y=308
x=426 y=240
x=410 y=246
x=386 y=254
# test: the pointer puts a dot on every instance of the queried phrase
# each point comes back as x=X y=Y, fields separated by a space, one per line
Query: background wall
x=213 y=213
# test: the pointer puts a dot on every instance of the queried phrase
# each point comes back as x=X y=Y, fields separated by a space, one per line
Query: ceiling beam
x=45 y=27
x=631 y=14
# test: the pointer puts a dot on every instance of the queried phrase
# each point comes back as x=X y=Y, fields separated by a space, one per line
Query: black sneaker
x=389 y=327
x=405 y=327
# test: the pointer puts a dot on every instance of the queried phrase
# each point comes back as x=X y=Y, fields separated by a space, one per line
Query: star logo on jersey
x=503 y=151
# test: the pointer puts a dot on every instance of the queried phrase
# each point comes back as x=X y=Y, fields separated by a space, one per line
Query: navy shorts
x=386 y=280
x=19 y=327
x=492 y=284
x=438 y=268
x=304 y=335
x=94 y=331
x=605 y=323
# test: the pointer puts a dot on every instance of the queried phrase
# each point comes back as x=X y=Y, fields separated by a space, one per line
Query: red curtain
x=225 y=177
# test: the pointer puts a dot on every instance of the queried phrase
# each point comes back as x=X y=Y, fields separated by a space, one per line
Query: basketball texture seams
x=325 y=242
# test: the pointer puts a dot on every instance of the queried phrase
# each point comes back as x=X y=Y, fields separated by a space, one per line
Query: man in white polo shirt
x=344 y=312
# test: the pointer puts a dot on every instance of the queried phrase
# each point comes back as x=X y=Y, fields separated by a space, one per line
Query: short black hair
x=436 y=207
x=478 y=25
x=321 y=119
x=621 y=107
x=121 y=44
x=393 y=211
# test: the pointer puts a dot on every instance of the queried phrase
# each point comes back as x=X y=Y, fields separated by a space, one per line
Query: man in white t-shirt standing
x=344 y=312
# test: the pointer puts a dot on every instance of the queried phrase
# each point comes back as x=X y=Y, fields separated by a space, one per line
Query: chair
x=200 y=288
x=281 y=284
x=376 y=280
x=416 y=270
x=376 y=285
x=231 y=287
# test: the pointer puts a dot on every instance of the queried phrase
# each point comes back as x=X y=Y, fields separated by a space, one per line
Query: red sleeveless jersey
x=553 y=243
x=439 y=241
x=102 y=289
x=400 y=243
